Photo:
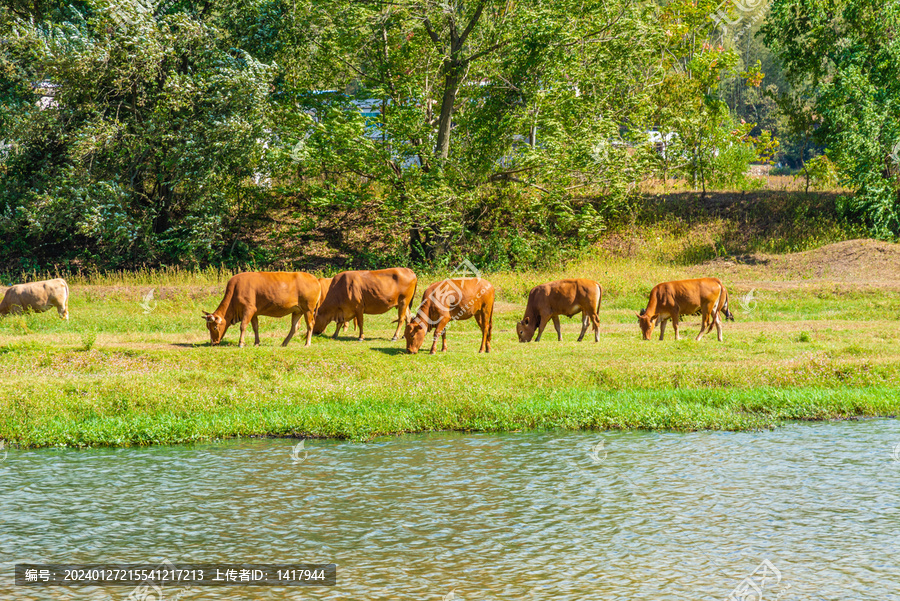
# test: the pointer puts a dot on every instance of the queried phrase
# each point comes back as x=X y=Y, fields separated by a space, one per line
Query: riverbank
x=811 y=341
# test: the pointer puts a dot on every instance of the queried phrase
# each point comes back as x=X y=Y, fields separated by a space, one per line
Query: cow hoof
x=394 y=339
x=360 y=339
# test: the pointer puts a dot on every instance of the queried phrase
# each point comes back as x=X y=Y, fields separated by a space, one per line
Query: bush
x=730 y=169
x=823 y=173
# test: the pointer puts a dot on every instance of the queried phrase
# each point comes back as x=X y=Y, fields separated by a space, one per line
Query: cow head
x=646 y=321
x=415 y=335
x=323 y=318
x=216 y=326
x=525 y=329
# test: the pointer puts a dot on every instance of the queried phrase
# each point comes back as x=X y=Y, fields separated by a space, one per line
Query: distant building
x=46 y=90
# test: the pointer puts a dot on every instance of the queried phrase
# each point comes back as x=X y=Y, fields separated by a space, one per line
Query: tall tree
x=145 y=152
x=844 y=56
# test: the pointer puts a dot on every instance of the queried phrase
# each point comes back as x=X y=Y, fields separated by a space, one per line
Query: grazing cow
x=270 y=294
x=452 y=300
x=37 y=297
x=356 y=293
x=671 y=300
x=564 y=297
x=325 y=284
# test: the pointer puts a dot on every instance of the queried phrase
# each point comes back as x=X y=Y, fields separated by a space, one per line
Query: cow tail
x=728 y=314
x=66 y=300
x=409 y=314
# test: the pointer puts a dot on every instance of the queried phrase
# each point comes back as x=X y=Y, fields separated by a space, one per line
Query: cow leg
x=63 y=311
x=714 y=320
x=719 y=327
x=245 y=321
x=255 y=323
x=339 y=326
x=481 y=320
x=402 y=310
x=704 y=322
x=584 y=326
x=555 y=319
x=359 y=322
x=405 y=314
x=310 y=322
x=544 y=321
x=595 y=321
x=675 y=327
x=295 y=319
x=709 y=320
x=662 y=327
x=440 y=328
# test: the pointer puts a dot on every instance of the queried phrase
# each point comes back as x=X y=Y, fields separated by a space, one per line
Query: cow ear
x=639 y=315
x=525 y=321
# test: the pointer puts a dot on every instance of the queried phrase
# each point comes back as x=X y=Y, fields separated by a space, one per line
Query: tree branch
x=478 y=55
x=475 y=17
x=431 y=33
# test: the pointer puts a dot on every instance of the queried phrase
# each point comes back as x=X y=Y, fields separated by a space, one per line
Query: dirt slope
x=861 y=263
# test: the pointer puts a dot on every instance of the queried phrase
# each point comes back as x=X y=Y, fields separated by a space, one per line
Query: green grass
x=115 y=375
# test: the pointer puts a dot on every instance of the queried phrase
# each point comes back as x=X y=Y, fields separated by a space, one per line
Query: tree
x=149 y=148
x=844 y=55
x=480 y=101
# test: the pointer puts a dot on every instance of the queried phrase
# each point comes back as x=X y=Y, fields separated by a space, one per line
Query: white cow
x=37 y=297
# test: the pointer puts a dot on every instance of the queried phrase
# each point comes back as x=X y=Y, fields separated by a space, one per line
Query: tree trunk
x=418 y=252
x=453 y=69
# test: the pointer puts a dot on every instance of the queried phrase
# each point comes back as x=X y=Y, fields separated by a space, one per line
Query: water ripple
x=487 y=517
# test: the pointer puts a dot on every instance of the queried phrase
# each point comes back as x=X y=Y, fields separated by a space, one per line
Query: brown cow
x=325 y=284
x=270 y=294
x=564 y=297
x=671 y=300
x=356 y=293
x=452 y=300
x=37 y=297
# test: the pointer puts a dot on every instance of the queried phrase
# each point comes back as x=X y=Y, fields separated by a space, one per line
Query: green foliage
x=729 y=167
x=539 y=98
x=823 y=172
x=844 y=56
x=510 y=132
x=148 y=150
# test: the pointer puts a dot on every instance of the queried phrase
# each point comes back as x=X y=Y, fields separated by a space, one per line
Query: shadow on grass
x=391 y=350
x=356 y=339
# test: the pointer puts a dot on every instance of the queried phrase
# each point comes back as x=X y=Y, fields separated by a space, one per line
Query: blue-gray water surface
x=812 y=509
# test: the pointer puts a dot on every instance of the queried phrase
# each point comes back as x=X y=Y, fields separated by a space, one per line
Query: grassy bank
x=816 y=338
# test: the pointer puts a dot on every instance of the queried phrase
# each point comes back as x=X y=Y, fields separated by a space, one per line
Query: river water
x=551 y=515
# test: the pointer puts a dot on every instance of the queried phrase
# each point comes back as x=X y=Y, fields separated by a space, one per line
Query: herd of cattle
x=350 y=295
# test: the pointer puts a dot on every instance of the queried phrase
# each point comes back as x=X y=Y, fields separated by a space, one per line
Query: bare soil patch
x=858 y=264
